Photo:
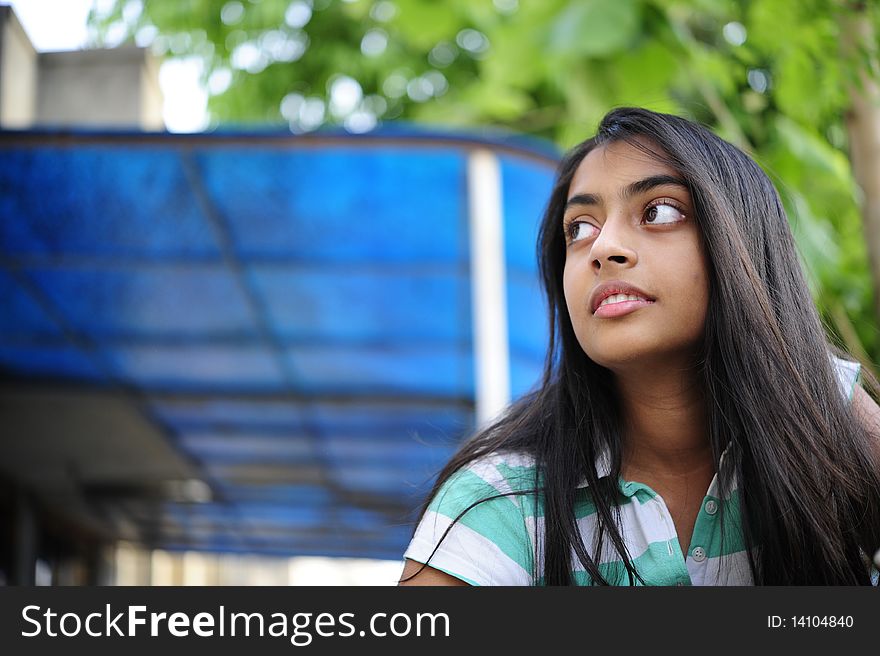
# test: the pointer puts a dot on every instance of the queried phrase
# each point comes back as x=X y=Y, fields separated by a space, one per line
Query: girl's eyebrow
x=637 y=187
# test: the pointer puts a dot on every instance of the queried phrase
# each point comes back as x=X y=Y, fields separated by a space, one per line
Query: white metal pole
x=488 y=286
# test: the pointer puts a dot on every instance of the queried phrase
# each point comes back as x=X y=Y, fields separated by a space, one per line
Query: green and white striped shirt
x=495 y=542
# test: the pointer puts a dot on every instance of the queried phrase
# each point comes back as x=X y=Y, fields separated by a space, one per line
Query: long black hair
x=805 y=467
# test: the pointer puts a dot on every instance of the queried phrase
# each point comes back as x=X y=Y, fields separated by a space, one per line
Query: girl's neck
x=665 y=422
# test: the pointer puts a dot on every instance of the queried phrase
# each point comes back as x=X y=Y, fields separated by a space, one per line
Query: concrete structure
x=116 y=88
x=18 y=73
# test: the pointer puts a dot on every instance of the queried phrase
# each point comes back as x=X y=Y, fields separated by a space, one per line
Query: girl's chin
x=624 y=350
x=628 y=354
x=619 y=363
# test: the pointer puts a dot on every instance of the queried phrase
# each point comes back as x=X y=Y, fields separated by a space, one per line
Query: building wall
x=18 y=73
x=97 y=88
x=112 y=88
x=151 y=94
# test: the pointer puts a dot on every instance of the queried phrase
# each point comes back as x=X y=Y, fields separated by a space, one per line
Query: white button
x=711 y=507
x=699 y=554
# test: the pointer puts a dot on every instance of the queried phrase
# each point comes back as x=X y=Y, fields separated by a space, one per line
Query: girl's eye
x=663 y=213
x=578 y=230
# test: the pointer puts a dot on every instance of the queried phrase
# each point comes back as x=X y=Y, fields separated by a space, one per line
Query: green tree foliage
x=768 y=75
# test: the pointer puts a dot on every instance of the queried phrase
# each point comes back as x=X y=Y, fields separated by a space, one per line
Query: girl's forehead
x=620 y=162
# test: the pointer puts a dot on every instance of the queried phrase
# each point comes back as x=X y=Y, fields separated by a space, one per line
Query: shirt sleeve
x=489 y=544
x=847 y=375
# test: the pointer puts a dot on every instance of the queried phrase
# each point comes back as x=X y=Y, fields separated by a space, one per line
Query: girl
x=693 y=425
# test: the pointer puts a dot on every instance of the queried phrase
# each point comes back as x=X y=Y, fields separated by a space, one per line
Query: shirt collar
x=603 y=467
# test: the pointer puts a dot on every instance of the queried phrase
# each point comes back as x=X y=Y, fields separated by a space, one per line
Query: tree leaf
x=596 y=28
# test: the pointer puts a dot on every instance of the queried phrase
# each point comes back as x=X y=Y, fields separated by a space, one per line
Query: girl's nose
x=613 y=246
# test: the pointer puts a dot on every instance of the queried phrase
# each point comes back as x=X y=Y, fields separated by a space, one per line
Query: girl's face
x=636 y=276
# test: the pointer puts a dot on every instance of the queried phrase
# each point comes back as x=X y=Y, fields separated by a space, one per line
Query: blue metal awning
x=288 y=320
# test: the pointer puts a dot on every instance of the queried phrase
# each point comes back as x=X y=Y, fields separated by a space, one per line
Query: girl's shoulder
x=504 y=471
x=477 y=527
x=498 y=480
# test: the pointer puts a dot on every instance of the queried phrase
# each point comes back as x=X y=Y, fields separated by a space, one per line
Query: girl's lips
x=612 y=287
x=620 y=308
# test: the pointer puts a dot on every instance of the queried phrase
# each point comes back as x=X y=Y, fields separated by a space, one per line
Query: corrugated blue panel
x=527 y=312
x=416 y=420
x=50 y=361
x=357 y=260
x=353 y=532
x=356 y=418
x=301 y=526
x=375 y=479
x=100 y=200
x=376 y=204
x=361 y=520
x=20 y=314
x=199 y=368
x=398 y=453
x=526 y=187
x=279 y=494
x=252 y=515
x=433 y=370
x=256 y=515
x=233 y=413
x=152 y=302
x=396 y=535
x=233 y=447
x=386 y=480
x=358 y=303
x=403 y=464
x=528 y=337
x=288 y=546
x=262 y=473
x=525 y=374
